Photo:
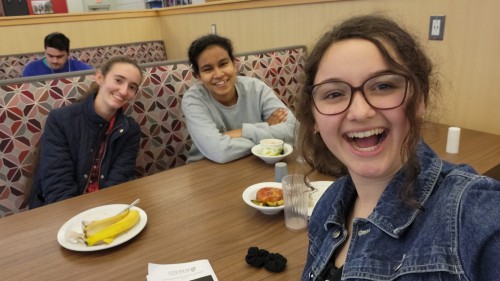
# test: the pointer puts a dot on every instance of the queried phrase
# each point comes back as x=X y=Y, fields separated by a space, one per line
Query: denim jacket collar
x=391 y=215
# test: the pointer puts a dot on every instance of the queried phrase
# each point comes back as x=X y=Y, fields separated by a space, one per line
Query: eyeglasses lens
x=385 y=91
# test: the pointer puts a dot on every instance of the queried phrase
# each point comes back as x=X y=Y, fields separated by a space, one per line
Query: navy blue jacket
x=70 y=139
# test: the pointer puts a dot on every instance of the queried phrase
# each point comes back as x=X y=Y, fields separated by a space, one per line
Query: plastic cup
x=295 y=197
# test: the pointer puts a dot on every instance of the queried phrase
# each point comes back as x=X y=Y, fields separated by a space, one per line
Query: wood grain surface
x=194 y=212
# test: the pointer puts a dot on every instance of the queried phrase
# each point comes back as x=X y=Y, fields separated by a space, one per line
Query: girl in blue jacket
x=396 y=211
x=90 y=145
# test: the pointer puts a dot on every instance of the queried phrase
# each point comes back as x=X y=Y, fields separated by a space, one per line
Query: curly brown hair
x=411 y=61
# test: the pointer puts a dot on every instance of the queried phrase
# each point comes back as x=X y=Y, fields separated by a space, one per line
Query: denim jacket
x=456 y=235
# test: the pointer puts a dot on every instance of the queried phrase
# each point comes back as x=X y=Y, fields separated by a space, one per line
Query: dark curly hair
x=56 y=40
x=410 y=61
x=200 y=44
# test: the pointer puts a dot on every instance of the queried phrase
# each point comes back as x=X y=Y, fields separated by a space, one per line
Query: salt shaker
x=453 y=141
x=280 y=170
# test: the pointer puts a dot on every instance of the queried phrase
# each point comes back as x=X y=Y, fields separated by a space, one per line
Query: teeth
x=365 y=134
x=367 y=149
x=220 y=83
x=118 y=97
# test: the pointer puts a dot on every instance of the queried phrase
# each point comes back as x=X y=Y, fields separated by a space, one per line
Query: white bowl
x=250 y=194
x=257 y=151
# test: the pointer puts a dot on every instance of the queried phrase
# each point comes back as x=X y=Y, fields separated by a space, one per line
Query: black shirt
x=331 y=273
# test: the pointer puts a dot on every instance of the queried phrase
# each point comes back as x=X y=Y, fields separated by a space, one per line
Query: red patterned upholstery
x=164 y=140
x=11 y=66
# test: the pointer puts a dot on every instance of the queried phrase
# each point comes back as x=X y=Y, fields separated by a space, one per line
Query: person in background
x=397 y=211
x=56 y=58
x=227 y=114
x=90 y=145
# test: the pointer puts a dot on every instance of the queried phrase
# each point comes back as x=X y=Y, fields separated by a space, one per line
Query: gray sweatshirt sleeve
x=206 y=127
x=268 y=103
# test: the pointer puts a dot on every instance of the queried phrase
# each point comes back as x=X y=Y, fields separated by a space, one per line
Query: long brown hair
x=411 y=61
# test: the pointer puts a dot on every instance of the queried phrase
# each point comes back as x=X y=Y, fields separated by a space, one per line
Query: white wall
x=130 y=5
x=80 y=6
x=75 y=6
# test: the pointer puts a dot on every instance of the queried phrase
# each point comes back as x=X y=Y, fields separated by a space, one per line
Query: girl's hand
x=278 y=116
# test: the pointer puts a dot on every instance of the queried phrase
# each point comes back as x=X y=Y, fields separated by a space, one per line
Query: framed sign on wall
x=42 y=7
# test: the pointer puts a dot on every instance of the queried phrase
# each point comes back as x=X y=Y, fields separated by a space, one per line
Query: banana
x=91 y=228
x=109 y=233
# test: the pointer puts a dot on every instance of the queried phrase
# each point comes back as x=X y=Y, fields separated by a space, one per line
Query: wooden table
x=194 y=212
x=478 y=149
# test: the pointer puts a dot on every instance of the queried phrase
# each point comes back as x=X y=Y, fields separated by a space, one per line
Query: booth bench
x=26 y=102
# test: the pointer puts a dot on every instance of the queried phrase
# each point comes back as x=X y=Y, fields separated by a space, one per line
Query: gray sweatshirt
x=207 y=120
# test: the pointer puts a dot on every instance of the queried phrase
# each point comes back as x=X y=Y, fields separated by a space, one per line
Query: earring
x=315 y=137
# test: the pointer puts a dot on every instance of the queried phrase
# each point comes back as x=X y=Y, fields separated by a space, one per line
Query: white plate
x=75 y=225
x=321 y=187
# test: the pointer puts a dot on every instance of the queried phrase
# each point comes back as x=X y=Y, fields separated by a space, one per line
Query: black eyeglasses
x=384 y=91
